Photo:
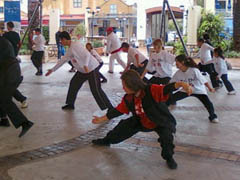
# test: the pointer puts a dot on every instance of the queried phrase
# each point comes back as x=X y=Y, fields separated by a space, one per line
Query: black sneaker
x=172 y=164
x=39 y=74
x=68 y=107
x=100 y=142
x=25 y=127
x=4 y=122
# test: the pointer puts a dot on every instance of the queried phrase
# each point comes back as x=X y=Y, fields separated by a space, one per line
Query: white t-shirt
x=39 y=42
x=131 y=56
x=220 y=66
x=79 y=56
x=193 y=77
x=205 y=53
x=113 y=42
x=162 y=63
x=96 y=55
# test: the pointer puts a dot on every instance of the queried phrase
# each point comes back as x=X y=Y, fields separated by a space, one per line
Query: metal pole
x=30 y=23
x=176 y=26
x=40 y=23
x=162 y=19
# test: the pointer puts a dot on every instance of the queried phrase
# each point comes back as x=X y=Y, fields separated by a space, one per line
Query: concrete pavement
x=204 y=150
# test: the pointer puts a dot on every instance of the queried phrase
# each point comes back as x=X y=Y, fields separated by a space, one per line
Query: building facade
x=115 y=13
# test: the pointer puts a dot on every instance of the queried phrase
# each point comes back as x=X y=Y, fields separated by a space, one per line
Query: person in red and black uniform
x=150 y=113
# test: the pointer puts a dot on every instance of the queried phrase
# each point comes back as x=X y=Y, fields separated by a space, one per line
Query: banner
x=12 y=12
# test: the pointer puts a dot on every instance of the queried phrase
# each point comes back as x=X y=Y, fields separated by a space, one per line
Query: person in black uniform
x=150 y=113
x=14 y=39
x=10 y=78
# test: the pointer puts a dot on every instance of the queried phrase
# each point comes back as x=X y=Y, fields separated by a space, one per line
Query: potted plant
x=98 y=46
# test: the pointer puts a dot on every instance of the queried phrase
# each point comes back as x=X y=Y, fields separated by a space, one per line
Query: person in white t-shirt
x=161 y=62
x=136 y=60
x=189 y=73
x=94 y=53
x=221 y=68
x=206 y=64
x=86 y=66
x=38 y=41
x=114 y=48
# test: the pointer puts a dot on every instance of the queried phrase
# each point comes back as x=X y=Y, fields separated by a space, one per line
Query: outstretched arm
x=174 y=86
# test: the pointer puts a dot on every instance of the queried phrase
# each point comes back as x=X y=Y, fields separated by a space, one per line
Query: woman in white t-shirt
x=94 y=53
x=221 y=68
x=160 y=62
x=189 y=73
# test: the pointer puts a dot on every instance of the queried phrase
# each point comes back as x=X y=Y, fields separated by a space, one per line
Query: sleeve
x=220 y=68
x=209 y=47
x=149 y=66
x=174 y=78
x=157 y=93
x=169 y=88
x=200 y=77
x=197 y=55
x=68 y=56
x=86 y=58
x=118 y=111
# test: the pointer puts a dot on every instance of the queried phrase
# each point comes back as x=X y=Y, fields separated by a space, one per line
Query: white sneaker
x=215 y=120
x=232 y=93
x=24 y=104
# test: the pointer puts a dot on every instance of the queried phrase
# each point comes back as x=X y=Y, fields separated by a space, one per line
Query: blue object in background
x=12 y=11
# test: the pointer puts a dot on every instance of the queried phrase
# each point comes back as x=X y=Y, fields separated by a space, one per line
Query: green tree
x=213 y=25
x=80 y=30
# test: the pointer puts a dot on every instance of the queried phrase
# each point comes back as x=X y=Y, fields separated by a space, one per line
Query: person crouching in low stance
x=150 y=113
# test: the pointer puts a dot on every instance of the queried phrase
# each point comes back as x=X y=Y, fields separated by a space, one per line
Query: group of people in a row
x=147 y=100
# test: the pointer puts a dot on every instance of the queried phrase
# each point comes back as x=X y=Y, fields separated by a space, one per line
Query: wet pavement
x=59 y=144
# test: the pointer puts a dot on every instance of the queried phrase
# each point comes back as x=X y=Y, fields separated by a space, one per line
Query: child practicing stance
x=221 y=68
x=189 y=73
x=150 y=113
x=99 y=59
x=162 y=62
x=136 y=60
x=206 y=64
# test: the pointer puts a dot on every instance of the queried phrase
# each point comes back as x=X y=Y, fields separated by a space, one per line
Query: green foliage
x=178 y=47
x=80 y=30
x=24 y=48
x=45 y=32
x=97 y=43
x=232 y=54
x=171 y=26
x=212 y=25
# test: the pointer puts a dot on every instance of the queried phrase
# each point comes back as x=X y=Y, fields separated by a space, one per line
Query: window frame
x=77 y=3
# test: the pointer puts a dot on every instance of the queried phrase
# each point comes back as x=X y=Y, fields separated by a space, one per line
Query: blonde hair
x=158 y=42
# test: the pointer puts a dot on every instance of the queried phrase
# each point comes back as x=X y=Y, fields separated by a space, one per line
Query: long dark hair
x=133 y=80
x=186 y=61
x=219 y=52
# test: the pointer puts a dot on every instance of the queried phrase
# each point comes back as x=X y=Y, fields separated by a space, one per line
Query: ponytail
x=186 y=61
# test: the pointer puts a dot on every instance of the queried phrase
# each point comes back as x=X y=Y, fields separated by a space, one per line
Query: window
x=77 y=3
x=113 y=9
x=1 y=9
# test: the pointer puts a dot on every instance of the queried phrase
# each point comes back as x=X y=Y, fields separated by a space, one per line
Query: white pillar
x=209 y=6
x=141 y=21
x=194 y=17
x=54 y=24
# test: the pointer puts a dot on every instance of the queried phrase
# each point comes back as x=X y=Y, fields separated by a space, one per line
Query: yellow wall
x=122 y=8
